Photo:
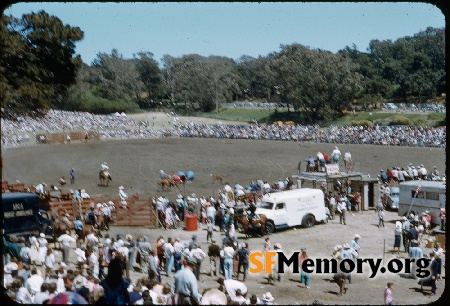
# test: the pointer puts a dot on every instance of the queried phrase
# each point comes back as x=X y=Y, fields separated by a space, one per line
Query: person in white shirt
x=347 y=158
x=123 y=197
x=342 y=208
x=266 y=186
x=280 y=184
x=198 y=254
x=93 y=262
x=104 y=166
x=41 y=296
x=228 y=254
x=40 y=188
x=169 y=252
x=231 y=286
x=91 y=240
x=211 y=213
x=50 y=261
x=65 y=240
x=335 y=155
x=34 y=282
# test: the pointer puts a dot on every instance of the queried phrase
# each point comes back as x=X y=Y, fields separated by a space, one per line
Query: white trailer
x=295 y=207
x=431 y=197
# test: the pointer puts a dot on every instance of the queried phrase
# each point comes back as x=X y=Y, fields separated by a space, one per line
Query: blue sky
x=234 y=29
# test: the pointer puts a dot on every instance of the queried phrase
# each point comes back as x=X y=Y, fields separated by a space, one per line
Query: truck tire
x=308 y=221
x=270 y=227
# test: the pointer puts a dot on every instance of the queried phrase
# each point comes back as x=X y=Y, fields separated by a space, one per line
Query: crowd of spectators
x=24 y=130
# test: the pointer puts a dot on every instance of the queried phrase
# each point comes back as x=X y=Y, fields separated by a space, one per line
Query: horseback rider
x=253 y=218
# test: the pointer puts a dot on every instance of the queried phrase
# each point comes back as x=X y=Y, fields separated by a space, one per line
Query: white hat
x=398 y=224
x=63 y=264
x=268 y=297
x=42 y=235
x=222 y=205
x=99 y=205
x=193 y=195
x=160 y=199
x=180 y=196
x=357 y=236
x=120 y=187
x=231 y=210
x=404 y=218
x=337 y=247
x=277 y=245
x=111 y=202
x=10 y=267
x=346 y=246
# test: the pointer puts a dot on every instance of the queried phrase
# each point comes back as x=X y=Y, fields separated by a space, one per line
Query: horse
x=261 y=225
x=169 y=183
x=59 y=227
x=104 y=177
x=217 y=177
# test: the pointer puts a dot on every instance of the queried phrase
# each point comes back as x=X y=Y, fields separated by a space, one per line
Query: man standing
x=335 y=155
x=177 y=256
x=228 y=254
x=34 y=282
x=243 y=255
x=78 y=225
x=415 y=252
x=198 y=254
x=342 y=209
x=347 y=160
x=211 y=214
x=144 y=250
x=354 y=244
x=214 y=258
x=186 y=285
x=169 y=252
x=65 y=240
x=72 y=176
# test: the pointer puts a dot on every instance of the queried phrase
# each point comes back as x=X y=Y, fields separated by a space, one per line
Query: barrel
x=191 y=221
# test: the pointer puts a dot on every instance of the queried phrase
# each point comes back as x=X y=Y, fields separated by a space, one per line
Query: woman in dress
x=42 y=248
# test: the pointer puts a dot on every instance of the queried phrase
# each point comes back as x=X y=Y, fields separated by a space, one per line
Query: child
x=209 y=230
x=388 y=294
x=267 y=245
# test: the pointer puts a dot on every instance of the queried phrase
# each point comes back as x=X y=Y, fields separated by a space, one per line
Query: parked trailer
x=431 y=197
x=304 y=206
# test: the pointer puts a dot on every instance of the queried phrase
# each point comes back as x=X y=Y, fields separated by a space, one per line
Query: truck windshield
x=266 y=205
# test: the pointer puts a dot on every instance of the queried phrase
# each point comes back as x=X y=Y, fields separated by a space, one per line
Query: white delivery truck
x=431 y=197
x=295 y=207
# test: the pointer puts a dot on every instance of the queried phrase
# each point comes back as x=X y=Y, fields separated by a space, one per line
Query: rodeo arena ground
x=167 y=172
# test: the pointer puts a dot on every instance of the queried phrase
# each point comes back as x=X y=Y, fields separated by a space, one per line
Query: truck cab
x=22 y=216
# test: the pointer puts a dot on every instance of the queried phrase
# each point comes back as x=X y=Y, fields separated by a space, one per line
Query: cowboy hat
x=99 y=205
x=268 y=297
x=357 y=236
x=404 y=218
x=277 y=245
x=180 y=196
x=231 y=211
x=214 y=297
x=337 y=247
x=120 y=187
x=346 y=246
x=42 y=235
x=222 y=205
x=128 y=237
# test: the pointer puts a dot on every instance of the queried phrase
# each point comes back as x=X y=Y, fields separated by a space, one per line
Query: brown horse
x=169 y=183
x=104 y=177
x=261 y=225
x=59 y=227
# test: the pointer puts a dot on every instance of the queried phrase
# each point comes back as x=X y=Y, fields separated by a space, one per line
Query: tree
x=318 y=83
x=149 y=74
x=115 y=77
x=38 y=62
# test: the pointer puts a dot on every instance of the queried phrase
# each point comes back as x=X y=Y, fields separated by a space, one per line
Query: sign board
x=332 y=169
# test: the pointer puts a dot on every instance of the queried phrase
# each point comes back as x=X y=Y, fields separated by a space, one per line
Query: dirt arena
x=135 y=164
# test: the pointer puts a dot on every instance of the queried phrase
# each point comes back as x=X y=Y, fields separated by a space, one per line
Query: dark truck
x=22 y=216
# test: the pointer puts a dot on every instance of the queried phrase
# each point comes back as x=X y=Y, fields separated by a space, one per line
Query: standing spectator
x=267 y=245
x=415 y=252
x=169 y=253
x=243 y=255
x=347 y=160
x=93 y=263
x=397 y=236
x=72 y=176
x=34 y=282
x=50 y=261
x=357 y=201
x=41 y=296
x=388 y=300
x=381 y=218
x=267 y=299
x=342 y=209
x=131 y=250
x=228 y=253
x=304 y=276
x=211 y=214
x=25 y=253
x=214 y=258
x=65 y=240
x=12 y=248
x=177 y=256
x=144 y=250
x=335 y=155
x=198 y=254
x=209 y=230
x=78 y=225
x=332 y=205
x=115 y=285
x=186 y=285
x=442 y=216
x=101 y=261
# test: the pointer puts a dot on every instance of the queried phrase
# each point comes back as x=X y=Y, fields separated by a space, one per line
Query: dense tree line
x=40 y=70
